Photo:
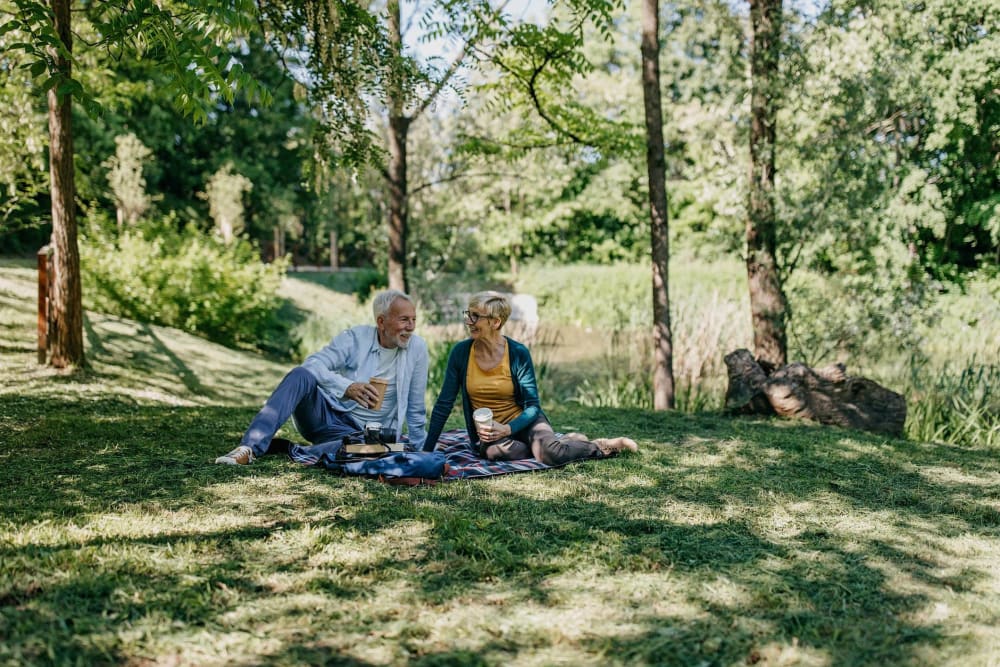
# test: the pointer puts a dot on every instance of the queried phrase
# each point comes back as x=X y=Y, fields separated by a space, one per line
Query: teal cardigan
x=525 y=391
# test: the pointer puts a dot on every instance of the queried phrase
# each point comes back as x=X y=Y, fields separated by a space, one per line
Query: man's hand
x=363 y=393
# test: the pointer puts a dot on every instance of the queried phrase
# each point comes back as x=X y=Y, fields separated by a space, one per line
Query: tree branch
x=459 y=176
x=469 y=44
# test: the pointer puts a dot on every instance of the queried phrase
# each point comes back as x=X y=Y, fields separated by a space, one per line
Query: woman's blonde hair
x=496 y=304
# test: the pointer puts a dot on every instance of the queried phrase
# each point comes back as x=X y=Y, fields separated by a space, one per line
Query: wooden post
x=44 y=269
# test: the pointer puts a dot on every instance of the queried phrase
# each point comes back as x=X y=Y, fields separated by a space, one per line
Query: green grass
x=722 y=542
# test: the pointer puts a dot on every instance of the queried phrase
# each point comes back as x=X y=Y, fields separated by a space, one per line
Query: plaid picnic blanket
x=463 y=461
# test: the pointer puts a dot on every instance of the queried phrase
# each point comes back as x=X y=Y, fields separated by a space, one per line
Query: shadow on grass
x=125 y=353
x=817 y=589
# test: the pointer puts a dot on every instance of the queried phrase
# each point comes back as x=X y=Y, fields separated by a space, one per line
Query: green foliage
x=224 y=192
x=267 y=144
x=567 y=294
x=855 y=317
x=708 y=319
x=126 y=179
x=182 y=279
x=367 y=281
x=954 y=404
x=891 y=136
x=190 y=41
x=316 y=331
x=23 y=140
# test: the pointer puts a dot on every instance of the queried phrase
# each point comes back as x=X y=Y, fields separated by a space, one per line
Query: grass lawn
x=722 y=542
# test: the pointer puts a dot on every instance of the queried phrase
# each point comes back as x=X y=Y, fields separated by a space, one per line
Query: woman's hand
x=494 y=431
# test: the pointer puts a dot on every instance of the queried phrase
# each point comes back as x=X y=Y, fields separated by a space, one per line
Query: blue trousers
x=298 y=395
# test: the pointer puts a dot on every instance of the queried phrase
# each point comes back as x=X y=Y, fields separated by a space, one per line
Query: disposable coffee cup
x=483 y=417
x=380 y=385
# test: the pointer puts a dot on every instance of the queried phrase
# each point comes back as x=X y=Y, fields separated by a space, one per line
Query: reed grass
x=954 y=404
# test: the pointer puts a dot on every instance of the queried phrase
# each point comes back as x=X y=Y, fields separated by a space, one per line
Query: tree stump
x=826 y=395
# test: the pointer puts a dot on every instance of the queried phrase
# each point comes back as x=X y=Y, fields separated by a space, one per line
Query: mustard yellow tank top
x=493 y=389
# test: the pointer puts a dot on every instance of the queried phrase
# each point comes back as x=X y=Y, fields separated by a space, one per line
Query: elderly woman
x=496 y=372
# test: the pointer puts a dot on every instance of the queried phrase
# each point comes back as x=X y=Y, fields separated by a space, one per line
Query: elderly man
x=330 y=395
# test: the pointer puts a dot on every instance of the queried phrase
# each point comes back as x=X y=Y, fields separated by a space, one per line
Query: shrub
x=184 y=279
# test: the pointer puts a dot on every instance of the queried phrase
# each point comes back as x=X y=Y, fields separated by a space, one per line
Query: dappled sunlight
x=723 y=592
x=987 y=479
x=400 y=544
x=307 y=294
x=581 y=607
x=273 y=496
x=276 y=623
x=782 y=522
x=129 y=360
x=193 y=645
x=776 y=654
x=730 y=453
x=173 y=363
x=540 y=489
x=687 y=513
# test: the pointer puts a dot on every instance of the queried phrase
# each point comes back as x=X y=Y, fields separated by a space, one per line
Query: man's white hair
x=383 y=301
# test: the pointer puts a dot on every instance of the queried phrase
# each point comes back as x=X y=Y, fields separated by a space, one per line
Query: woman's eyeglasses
x=473 y=317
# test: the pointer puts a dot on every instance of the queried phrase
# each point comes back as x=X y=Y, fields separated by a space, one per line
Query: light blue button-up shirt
x=352 y=356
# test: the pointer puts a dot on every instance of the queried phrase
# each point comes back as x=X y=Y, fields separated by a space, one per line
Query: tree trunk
x=66 y=307
x=663 y=371
x=399 y=126
x=768 y=306
x=334 y=252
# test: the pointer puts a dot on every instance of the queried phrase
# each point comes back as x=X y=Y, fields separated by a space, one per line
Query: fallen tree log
x=826 y=395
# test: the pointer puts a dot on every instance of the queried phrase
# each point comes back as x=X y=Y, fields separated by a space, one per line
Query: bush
x=185 y=280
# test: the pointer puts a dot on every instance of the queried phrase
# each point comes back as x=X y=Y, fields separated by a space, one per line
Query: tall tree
x=188 y=43
x=768 y=305
x=663 y=369
x=421 y=86
x=66 y=306
x=395 y=175
x=359 y=69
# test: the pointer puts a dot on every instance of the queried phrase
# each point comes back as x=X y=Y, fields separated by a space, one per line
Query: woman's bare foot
x=612 y=446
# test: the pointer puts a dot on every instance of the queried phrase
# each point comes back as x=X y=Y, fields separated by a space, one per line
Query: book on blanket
x=373 y=448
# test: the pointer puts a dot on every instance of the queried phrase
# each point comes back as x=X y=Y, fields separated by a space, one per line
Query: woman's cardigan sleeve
x=525 y=386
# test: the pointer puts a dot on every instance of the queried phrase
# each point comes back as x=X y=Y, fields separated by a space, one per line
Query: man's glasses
x=473 y=317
